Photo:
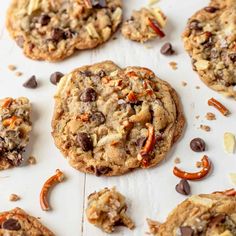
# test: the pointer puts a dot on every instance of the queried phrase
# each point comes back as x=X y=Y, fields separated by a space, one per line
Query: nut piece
x=13 y=197
x=205 y=128
x=229 y=142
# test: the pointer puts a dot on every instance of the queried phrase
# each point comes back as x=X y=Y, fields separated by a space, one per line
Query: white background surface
x=150 y=193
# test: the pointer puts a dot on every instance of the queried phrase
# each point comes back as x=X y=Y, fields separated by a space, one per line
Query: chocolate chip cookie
x=144 y=25
x=108 y=120
x=107 y=209
x=16 y=222
x=209 y=38
x=53 y=30
x=205 y=214
x=15 y=127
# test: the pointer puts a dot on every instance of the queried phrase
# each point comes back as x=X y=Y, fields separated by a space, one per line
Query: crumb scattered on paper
x=14 y=197
x=205 y=128
x=210 y=116
x=229 y=142
x=18 y=73
x=11 y=67
x=31 y=160
x=177 y=160
x=173 y=65
x=184 y=83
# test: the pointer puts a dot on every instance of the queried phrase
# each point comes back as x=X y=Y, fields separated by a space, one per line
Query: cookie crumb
x=183 y=83
x=173 y=65
x=31 y=160
x=13 y=197
x=177 y=160
x=153 y=226
x=198 y=164
x=210 y=116
x=148 y=46
x=18 y=73
x=205 y=128
x=197 y=87
x=197 y=117
x=11 y=67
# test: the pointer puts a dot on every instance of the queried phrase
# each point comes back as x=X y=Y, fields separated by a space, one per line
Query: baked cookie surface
x=144 y=25
x=108 y=120
x=107 y=209
x=202 y=215
x=209 y=38
x=18 y=223
x=53 y=30
x=15 y=127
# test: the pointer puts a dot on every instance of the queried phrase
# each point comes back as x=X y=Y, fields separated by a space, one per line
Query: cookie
x=209 y=38
x=205 y=214
x=17 y=222
x=144 y=25
x=108 y=120
x=54 y=30
x=107 y=209
x=15 y=127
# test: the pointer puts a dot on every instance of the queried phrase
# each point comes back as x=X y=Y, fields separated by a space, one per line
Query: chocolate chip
x=87 y=73
x=186 y=231
x=57 y=34
x=232 y=57
x=44 y=19
x=98 y=118
x=183 y=187
x=140 y=142
x=11 y=224
x=216 y=220
x=68 y=34
x=211 y=9
x=56 y=77
x=84 y=141
x=31 y=83
x=195 y=25
x=88 y=95
x=102 y=73
x=198 y=145
x=102 y=170
x=167 y=49
x=99 y=3
x=20 y=41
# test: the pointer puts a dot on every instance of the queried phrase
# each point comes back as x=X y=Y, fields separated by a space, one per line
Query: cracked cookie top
x=108 y=120
x=209 y=39
x=54 y=29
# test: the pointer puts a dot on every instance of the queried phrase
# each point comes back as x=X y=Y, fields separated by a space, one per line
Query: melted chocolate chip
x=216 y=220
x=44 y=19
x=84 y=141
x=232 y=57
x=88 y=95
x=20 y=41
x=183 y=187
x=186 y=231
x=98 y=118
x=99 y=3
x=102 y=170
x=140 y=142
x=57 y=34
x=198 y=145
x=211 y=9
x=167 y=49
x=56 y=77
x=195 y=25
x=11 y=224
x=31 y=83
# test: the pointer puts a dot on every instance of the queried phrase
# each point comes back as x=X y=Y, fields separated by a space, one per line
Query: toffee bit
x=219 y=106
x=55 y=179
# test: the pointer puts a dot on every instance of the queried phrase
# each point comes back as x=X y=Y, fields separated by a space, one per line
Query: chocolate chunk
x=44 y=19
x=68 y=34
x=195 y=25
x=183 y=187
x=99 y=3
x=232 y=57
x=102 y=170
x=98 y=118
x=216 y=220
x=211 y=9
x=87 y=73
x=140 y=142
x=198 y=145
x=186 y=231
x=167 y=49
x=11 y=224
x=84 y=141
x=31 y=83
x=56 y=77
x=88 y=95
x=57 y=34
x=20 y=41
x=101 y=73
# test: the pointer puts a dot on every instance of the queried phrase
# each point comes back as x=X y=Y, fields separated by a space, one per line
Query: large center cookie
x=53 y=30
x=209 y=38
x=108 y=120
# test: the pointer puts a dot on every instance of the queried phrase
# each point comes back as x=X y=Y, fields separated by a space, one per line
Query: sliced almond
x=229 y=142
x=207 y=202
x=92 y=31
x=232 y=177
x=160 y=17
x=202 y=64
